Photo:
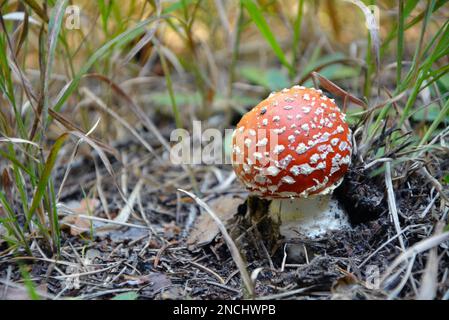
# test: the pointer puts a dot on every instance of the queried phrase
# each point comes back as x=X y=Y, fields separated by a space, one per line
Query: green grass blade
x=54 y=28
x=29 y=285
x=264 y=28
x=168 y=81
x=297 y=32
x=400 y=41
x=409 y=6
x=16 y=162
x=441 y=116
x=45 y=177
x=105 y=10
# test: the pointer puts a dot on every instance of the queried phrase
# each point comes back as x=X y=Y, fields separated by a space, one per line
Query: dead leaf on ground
x=155 y=281
x=74 y=222
x=171 y=229
x=205 y=229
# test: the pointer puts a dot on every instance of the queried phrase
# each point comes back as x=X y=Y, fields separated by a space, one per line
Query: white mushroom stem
x=308 y=217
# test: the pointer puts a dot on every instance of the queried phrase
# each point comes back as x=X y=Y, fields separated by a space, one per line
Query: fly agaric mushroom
x=295 y=147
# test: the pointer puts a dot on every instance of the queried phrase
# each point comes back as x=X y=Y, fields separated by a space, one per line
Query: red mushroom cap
x=295 y=143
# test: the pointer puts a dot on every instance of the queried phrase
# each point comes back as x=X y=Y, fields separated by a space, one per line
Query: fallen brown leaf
x=155 y=280
x=205 y=229
x=74 y=222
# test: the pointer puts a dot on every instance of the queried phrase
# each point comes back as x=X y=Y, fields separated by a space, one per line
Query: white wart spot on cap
x=291 y=138
x=278 y=149
x=283 y=163
x=288 y=180
x=305 y=127
x=304 y=169
x=272 y=171
x=301 y=148
x=334 y=141
x=262 y=142
x=279 y=131
x=321 y=165
x=314 y=158
x=343 y=145
x=258 y=155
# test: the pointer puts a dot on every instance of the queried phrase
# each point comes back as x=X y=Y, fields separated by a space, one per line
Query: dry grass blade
x=71 y=159
x=134 y=108
x=435 y=183
x=14 y=65
x=36 y=8
x=380 y=248
x=126 y=211
x=230 y=243
x=97 y=148
x=19 y=140
x=336 y=90
x=285 y=294
x=120 y=119
x=147 y=37
x=392 y=203
x=23 y=33
x=429 y=283
x=417 y=248
x=373 y=29
x=73 y=128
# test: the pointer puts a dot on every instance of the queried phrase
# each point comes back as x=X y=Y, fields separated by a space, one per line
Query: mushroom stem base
x=308 y=217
